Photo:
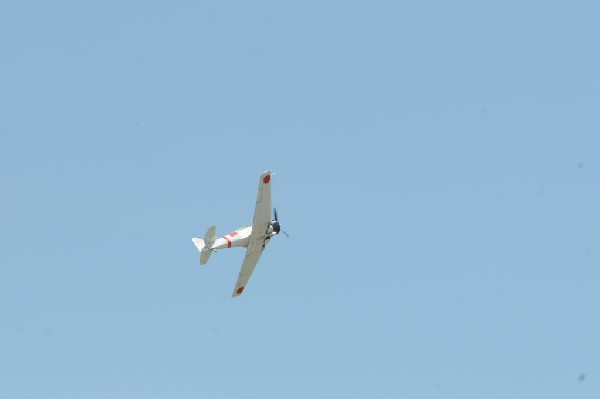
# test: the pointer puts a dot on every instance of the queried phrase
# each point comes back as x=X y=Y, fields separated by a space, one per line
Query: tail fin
x=205 y=246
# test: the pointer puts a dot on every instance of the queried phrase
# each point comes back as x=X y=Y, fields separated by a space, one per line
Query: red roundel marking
x=267 y=179
x=240 y=290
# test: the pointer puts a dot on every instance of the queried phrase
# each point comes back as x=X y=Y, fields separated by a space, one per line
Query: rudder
x=205 y=246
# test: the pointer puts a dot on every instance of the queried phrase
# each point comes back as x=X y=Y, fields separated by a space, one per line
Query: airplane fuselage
x=254 y=238
x=237 y=238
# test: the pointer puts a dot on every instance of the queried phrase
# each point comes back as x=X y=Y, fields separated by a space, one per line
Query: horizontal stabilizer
x=210 y=236
x=205 y=246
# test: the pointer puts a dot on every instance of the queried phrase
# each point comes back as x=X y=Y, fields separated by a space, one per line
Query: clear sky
x=437 y=167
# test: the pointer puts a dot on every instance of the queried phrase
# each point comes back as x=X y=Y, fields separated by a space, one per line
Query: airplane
x=254 y=237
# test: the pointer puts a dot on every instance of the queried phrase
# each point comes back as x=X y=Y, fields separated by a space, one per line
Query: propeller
x=276 y=225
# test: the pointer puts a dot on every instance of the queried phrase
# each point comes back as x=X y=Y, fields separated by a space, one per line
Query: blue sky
x=437 y=170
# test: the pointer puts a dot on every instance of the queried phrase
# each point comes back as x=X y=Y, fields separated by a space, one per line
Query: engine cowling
x=275 y=226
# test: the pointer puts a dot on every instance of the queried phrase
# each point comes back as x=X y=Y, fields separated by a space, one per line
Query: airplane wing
x=260 y=226
x=250 y=262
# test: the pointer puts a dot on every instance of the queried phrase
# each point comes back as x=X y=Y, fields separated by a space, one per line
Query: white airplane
x=254 y=237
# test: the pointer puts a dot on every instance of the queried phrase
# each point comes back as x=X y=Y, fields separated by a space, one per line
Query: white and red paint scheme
x=238 y=238
x=254 y=237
